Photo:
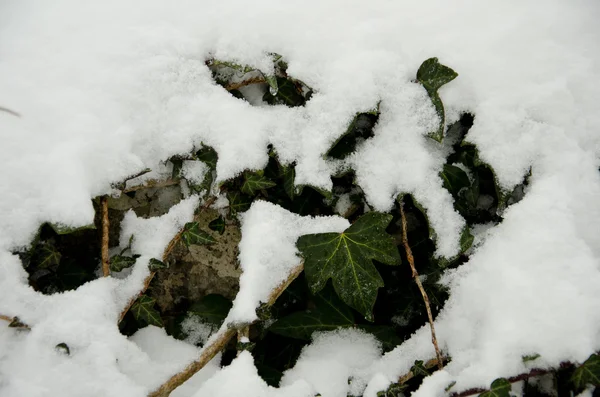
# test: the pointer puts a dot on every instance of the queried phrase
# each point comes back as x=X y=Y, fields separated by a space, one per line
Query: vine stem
x=253 y=80
x=223 y=338
x=410 y=374
x=172 y=244
x=6 y=318
x=415 y=274
x=105 y=224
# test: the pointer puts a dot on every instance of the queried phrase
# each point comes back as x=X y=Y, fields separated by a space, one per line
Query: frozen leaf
x=48 y=256
x=500 y=388
x=287 y=94
x=254 y=182
x=143 y=310
x=587 y=373
x=466 y=239
x=192 y=234
x=347 y=259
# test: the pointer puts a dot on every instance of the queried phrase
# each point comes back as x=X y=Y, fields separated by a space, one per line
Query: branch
x=236 y=86
x=165 y=256
x=208 y=352
x=411 y=261
x=105 y=224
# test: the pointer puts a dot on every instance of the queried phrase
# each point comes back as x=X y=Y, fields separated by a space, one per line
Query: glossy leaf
x=192 y=234
x=254 y=182
x=143 y=310
x=288 y=173
x=347 y=259
x=287 y=94
x=587 y=373
x=499 y=388
x=385 y=334
x=120 y=262
x=212 y=309
x=454 y=179
x=155 y=264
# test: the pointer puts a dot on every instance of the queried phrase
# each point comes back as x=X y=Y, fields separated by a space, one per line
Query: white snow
x=106 y=89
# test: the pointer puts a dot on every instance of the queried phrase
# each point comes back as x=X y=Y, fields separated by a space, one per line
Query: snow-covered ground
x=105 y=89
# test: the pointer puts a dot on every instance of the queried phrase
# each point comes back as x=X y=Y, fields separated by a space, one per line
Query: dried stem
x=6 y=318
x=224 y=336
x=165 y=256
x=411 y=261
x=105 y=224
x=238 y=85
x=14 y=322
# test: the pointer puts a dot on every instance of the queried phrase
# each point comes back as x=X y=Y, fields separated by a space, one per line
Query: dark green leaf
x=143 y=310
x=48 y=256
x=16 y=323
x=254 y=182
x=72 y=274
x=120 y=262
x=419 y=369
x=269 y=374
x=530 y=357
x=347 y=259
x=433 y=75
x=361 y=127
x=288 y=93
x=238 y=202
x=288 y=173
x=154 y=265
x=454 y=179
x=218 y=225
x=587 y=373
x=272 y=82
x=63 y=348
x=500 y=388
x=208 y=155
x=466 y=239
x=394 y=390
x=212 y=309
x=330 y=313
x=192 y=234
x=241 y=346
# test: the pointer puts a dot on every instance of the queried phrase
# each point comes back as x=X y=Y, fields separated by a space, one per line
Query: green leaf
x=254 y=182
x=63 y=348
x=587 y=373
x=287 y=94
x=212 y=309
x=48 y=256
x=72 y=274
x=143 y=310
x=218 y=225
x=419 y=369
x=192 y=234
x=238 y=202
x=330 y=313
x=500 y=388
x=208 y=156
x=120 y=262
x=361 y=127
x=466 y=239
x=454 y=179
x=530 y=357
x=272 y=82
x=154 y=265
x=347 y=259
x=289 y=175
x=433 y=75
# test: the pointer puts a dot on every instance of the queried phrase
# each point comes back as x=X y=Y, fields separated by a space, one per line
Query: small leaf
x=361 y=127
x=450 y=386
x=241 y=346
x=238 y=202
x=466 y=239
x=154 y=265
x=120 y=262
x=530 y=357
x=289 y=175
x=16 y=323
x=454 y=179
x=218 y=225
x=287 y=94
x=63 y=348
x=433 y=75
x=419 y=369
x=587 y=373
x=500 y=388
x=212 y=309
x=208 y=156
x=255 y=182
x=143 y=310
x=48 y=256
x=347 y=258
x=192 y=234
x=272 y=82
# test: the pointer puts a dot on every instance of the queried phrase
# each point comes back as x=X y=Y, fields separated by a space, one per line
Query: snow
x=107 y=89
x=268 y=252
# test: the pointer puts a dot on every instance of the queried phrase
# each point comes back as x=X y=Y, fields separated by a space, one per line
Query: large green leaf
x=347 y=259
x=454 y=179
x=192 y=234
x=48 y=256
x=500 y=388
x=329 y=313
x=212 y=309
x=254 y=182
x=238 y=202
x=143 y=310
x=217 y=225
x=587 y=373
x=433 y=75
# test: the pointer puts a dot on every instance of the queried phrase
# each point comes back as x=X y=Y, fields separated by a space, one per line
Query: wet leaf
x=347 y=259
x=287 y=94
x=143 y=311
x=208 y=155
x=192 y=234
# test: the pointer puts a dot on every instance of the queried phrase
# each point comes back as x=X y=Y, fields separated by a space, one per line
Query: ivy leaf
x=212 y=309
x=255 y=182
x=218 y=225
x=587 y=373
x=347 y=259
x=287 y=94
x=143 y=310
x=120 y=262
x=330 y=313
x=361 y=127
x=48 y=256
x=192 y=234
x=63 y=348
x=500 y=388
x=466 y=239
x=154 y=265
x=289 y=175
x=272 y=82
x=238 y=202
x=433 y=75
x=419 y=369
x=454 y=179
x=208 y=156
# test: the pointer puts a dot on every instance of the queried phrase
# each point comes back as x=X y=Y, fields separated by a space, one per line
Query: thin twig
x=6 y=318
x=165 y=257
x=238 y=85
x=152 y=183
x=105 y=224
x=415 y=274
x=9 y=111
x=208 y=352
x=14 y=322
x=410 y=374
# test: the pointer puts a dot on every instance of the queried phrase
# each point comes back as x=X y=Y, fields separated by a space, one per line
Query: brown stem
x=208 y=352
x=165 y=256
x=409 y=375
x=411 y=261
x=6 y=318
x=14 y=322
x=105 y=224
x=238 y=85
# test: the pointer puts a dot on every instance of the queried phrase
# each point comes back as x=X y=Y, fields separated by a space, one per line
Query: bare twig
x=409 y=375
x=14 y=322
x=415 y=274
x=6 y=318
x=152 y=183
x=105 y=259
x=225 y=335
x=165 y=256
x=238 y=85
x=9 y=111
